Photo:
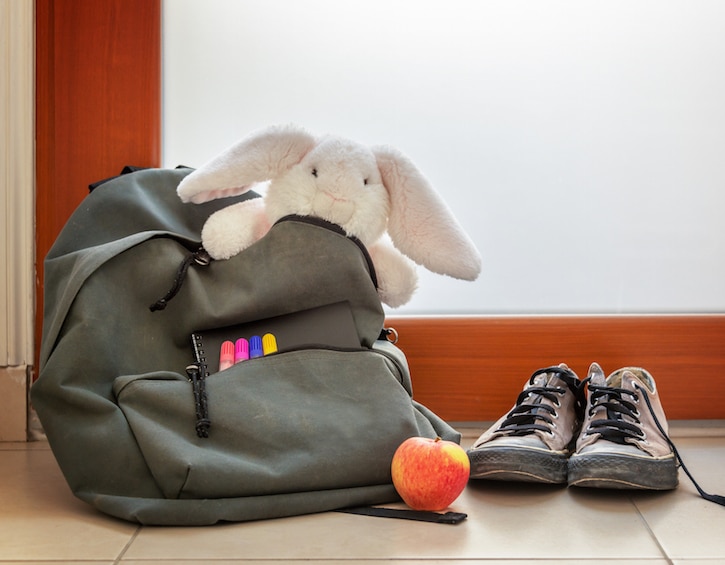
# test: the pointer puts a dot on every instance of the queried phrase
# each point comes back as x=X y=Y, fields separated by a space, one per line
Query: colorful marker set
x=243 y=349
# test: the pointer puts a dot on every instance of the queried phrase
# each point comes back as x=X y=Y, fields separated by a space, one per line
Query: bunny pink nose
x=333 y=197
x=333 y=208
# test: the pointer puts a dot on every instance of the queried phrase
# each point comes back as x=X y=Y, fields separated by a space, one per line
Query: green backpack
x=144 y=426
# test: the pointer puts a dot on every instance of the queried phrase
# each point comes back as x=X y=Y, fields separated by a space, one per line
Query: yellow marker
x=269 y=344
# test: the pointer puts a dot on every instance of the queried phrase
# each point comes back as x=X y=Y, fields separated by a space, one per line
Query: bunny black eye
x=314 y=173
x=365 y=182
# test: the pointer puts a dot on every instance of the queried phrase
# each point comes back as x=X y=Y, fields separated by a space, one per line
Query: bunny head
x=364 y=190
x=338 y=181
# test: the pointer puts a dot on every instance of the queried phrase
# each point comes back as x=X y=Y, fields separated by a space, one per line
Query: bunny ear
x=259 y=157
x=420 y=223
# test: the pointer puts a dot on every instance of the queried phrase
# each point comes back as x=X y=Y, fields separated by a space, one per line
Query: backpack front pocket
x=292 y=422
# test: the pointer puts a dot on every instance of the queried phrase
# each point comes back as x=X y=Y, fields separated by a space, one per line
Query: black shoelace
x=716 y=498
x=615 y=429
x=529 y=414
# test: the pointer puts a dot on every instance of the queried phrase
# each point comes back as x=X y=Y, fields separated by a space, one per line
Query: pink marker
x=241 y=350
x=226 y=355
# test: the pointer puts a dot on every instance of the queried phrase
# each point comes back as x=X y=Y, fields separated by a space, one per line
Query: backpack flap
x=302 y=263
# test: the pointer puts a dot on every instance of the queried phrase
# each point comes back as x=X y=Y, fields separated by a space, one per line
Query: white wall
x=581 y=144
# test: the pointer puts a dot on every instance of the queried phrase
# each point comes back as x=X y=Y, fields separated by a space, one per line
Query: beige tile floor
x=41 y=522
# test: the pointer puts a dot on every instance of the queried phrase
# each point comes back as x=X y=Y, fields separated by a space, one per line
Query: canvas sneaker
x=533 y=441
x=621 y=444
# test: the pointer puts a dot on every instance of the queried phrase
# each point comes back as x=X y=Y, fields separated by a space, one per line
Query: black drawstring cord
x=199 y=257
x=716 y=498
x=196 y=374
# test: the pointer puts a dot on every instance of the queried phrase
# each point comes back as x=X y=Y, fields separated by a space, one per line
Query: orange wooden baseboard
x=472 y=368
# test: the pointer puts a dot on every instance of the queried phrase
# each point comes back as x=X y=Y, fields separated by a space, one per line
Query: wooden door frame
x=97 y=105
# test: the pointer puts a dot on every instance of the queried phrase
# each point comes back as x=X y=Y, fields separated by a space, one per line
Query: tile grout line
x=650 y=530
x=126 y=547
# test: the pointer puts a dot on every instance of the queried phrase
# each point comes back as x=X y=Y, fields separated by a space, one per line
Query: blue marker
x=255 y=347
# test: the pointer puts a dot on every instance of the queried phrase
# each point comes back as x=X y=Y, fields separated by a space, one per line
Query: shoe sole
x=622 y=472
x=522 y=465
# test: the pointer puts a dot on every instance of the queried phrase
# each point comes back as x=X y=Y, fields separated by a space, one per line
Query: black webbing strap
x=126 y=170
x=404 y=514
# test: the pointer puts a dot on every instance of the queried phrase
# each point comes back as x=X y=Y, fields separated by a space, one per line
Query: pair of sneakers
x=605 y=432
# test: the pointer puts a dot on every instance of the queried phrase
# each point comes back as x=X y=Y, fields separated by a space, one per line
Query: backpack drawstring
x=200 y=257
x=197 y=376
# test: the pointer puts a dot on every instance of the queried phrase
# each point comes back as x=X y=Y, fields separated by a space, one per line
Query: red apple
x=429 y=474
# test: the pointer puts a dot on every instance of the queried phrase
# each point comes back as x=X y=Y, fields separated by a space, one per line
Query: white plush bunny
x=364 y=190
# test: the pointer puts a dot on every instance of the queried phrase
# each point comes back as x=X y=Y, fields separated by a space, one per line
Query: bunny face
x=337 y=181
x=366 y=191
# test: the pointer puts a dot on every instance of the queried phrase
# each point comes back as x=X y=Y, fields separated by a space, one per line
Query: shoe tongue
x=544 y=379
x=555 y=379
x=547 y=378
x=550 y=377
x=596 y=375
x=623 y=378
x=615 y=379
